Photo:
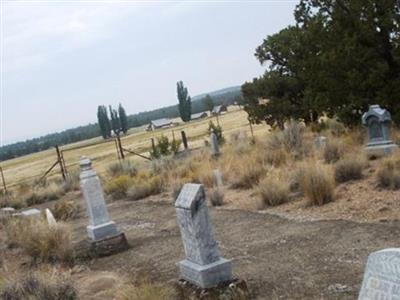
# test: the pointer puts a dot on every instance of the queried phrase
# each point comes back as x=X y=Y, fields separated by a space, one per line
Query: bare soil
x=280 y=258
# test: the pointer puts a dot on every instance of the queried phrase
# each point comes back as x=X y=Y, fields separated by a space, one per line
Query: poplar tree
x=123 y=119
x=185 y=102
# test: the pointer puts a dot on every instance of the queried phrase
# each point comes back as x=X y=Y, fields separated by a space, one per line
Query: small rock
x=338 y=288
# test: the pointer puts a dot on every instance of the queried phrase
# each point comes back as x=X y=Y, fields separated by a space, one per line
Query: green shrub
x=218 y=131
x=118 y=187
x=164 y=147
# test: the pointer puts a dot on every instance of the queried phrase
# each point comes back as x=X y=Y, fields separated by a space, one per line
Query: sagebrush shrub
x=333 y=151
x=349 y=168
x=118 y=187
x=317 y=183
x=142 y=188
x=124 y=167
x=66 y=210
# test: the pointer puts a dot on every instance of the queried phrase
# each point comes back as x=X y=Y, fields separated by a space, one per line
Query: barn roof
x=161 y=122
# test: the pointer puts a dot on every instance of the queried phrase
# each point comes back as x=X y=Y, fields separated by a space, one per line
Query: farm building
x=159 y=123
x=217 y=110
x=199 y=115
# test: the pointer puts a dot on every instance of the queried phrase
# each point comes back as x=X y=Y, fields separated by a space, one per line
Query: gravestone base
x=228 y=290
x=208 y=275
x=379 y=150
x=88 y=249
x=102 y=231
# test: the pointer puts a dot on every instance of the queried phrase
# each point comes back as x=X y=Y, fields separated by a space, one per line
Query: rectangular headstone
x=100 y=226
x=203 y=266
x=382 y=276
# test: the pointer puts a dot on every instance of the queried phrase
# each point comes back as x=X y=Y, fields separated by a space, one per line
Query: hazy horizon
x=61 y=60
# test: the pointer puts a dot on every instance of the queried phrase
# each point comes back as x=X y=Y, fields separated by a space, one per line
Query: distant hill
x=223 y=96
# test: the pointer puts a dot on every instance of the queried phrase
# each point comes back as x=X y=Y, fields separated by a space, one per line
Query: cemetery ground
x=298 y=219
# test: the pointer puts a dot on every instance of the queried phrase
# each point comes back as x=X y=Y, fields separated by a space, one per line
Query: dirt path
x=279 y=258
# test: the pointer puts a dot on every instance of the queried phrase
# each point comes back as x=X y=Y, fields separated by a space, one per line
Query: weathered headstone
x=203 y=266
x=382 y=276
x=320 y=142
x=100 y=226
x=377 y=121
x=50 y=218
x=214 y=144
x=217 y=176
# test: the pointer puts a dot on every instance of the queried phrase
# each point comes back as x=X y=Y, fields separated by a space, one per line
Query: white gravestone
x=50 y=218
x=217 y=176
x=100 y=226
x=214 y=144
x=382 y=276
x=203 y=266
x=33 y=212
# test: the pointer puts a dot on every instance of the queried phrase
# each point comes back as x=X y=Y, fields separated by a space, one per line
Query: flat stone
x=382 y=276
x=101 y=231
x=33 y=212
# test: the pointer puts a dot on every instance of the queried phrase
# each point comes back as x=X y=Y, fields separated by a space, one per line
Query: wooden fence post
x=121 y=150
x=59 y=160
x=3 y=180
x=184 y=140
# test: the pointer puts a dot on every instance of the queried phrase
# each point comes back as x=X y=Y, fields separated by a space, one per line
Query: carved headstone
x=377 y=121
x=100 y=226
x=203 y=266
x=382 y=276
x=214 y=144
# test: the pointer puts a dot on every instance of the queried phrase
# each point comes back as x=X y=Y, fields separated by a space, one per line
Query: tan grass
x=317 y=183
x=66 y=210
x=216 y=196
x=388 y=173
x=146 y=291
x=40 y=286
x=273 y=190
x=41 y=242
x=333 y=150
x=349 y=168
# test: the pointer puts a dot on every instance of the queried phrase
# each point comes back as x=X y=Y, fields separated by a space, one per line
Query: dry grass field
x=27 y=168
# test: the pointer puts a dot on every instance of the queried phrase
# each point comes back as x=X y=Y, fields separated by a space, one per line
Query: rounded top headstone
x=190 y=196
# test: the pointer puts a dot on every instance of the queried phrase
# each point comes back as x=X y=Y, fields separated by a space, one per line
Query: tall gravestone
x=377 y=121
x=382 y=276
x=100 y=226
x=203 y=266
x=214 y=144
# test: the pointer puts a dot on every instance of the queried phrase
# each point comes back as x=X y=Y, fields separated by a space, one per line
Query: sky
x=61 y=59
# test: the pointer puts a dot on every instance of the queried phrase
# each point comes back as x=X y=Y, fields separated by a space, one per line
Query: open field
x=33 y=166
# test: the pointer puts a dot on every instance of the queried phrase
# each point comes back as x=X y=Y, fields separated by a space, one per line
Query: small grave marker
x=214 y=144
x=203 y=266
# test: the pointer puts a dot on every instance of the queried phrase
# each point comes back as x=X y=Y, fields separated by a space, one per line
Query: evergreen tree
x=185 y=103
x=123 y=119
x=115 y=122
x=103 y=121
x=208 y=103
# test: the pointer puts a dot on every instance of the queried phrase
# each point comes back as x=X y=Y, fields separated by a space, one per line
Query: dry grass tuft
x=333 y=151
x=41 y=242
x=125 y=167
x=216 y=197
x=144 y=187
x=349 y=168
x=118 y=187
x=247 y=175
x=146 y=291
x=66 y=210
x=40 y=286
x=317 y=183
x=388 y=173
x=273 y=190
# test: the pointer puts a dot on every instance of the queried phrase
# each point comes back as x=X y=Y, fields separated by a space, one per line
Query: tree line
x=117 y=122
x=340 y=57
x=94 y=130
